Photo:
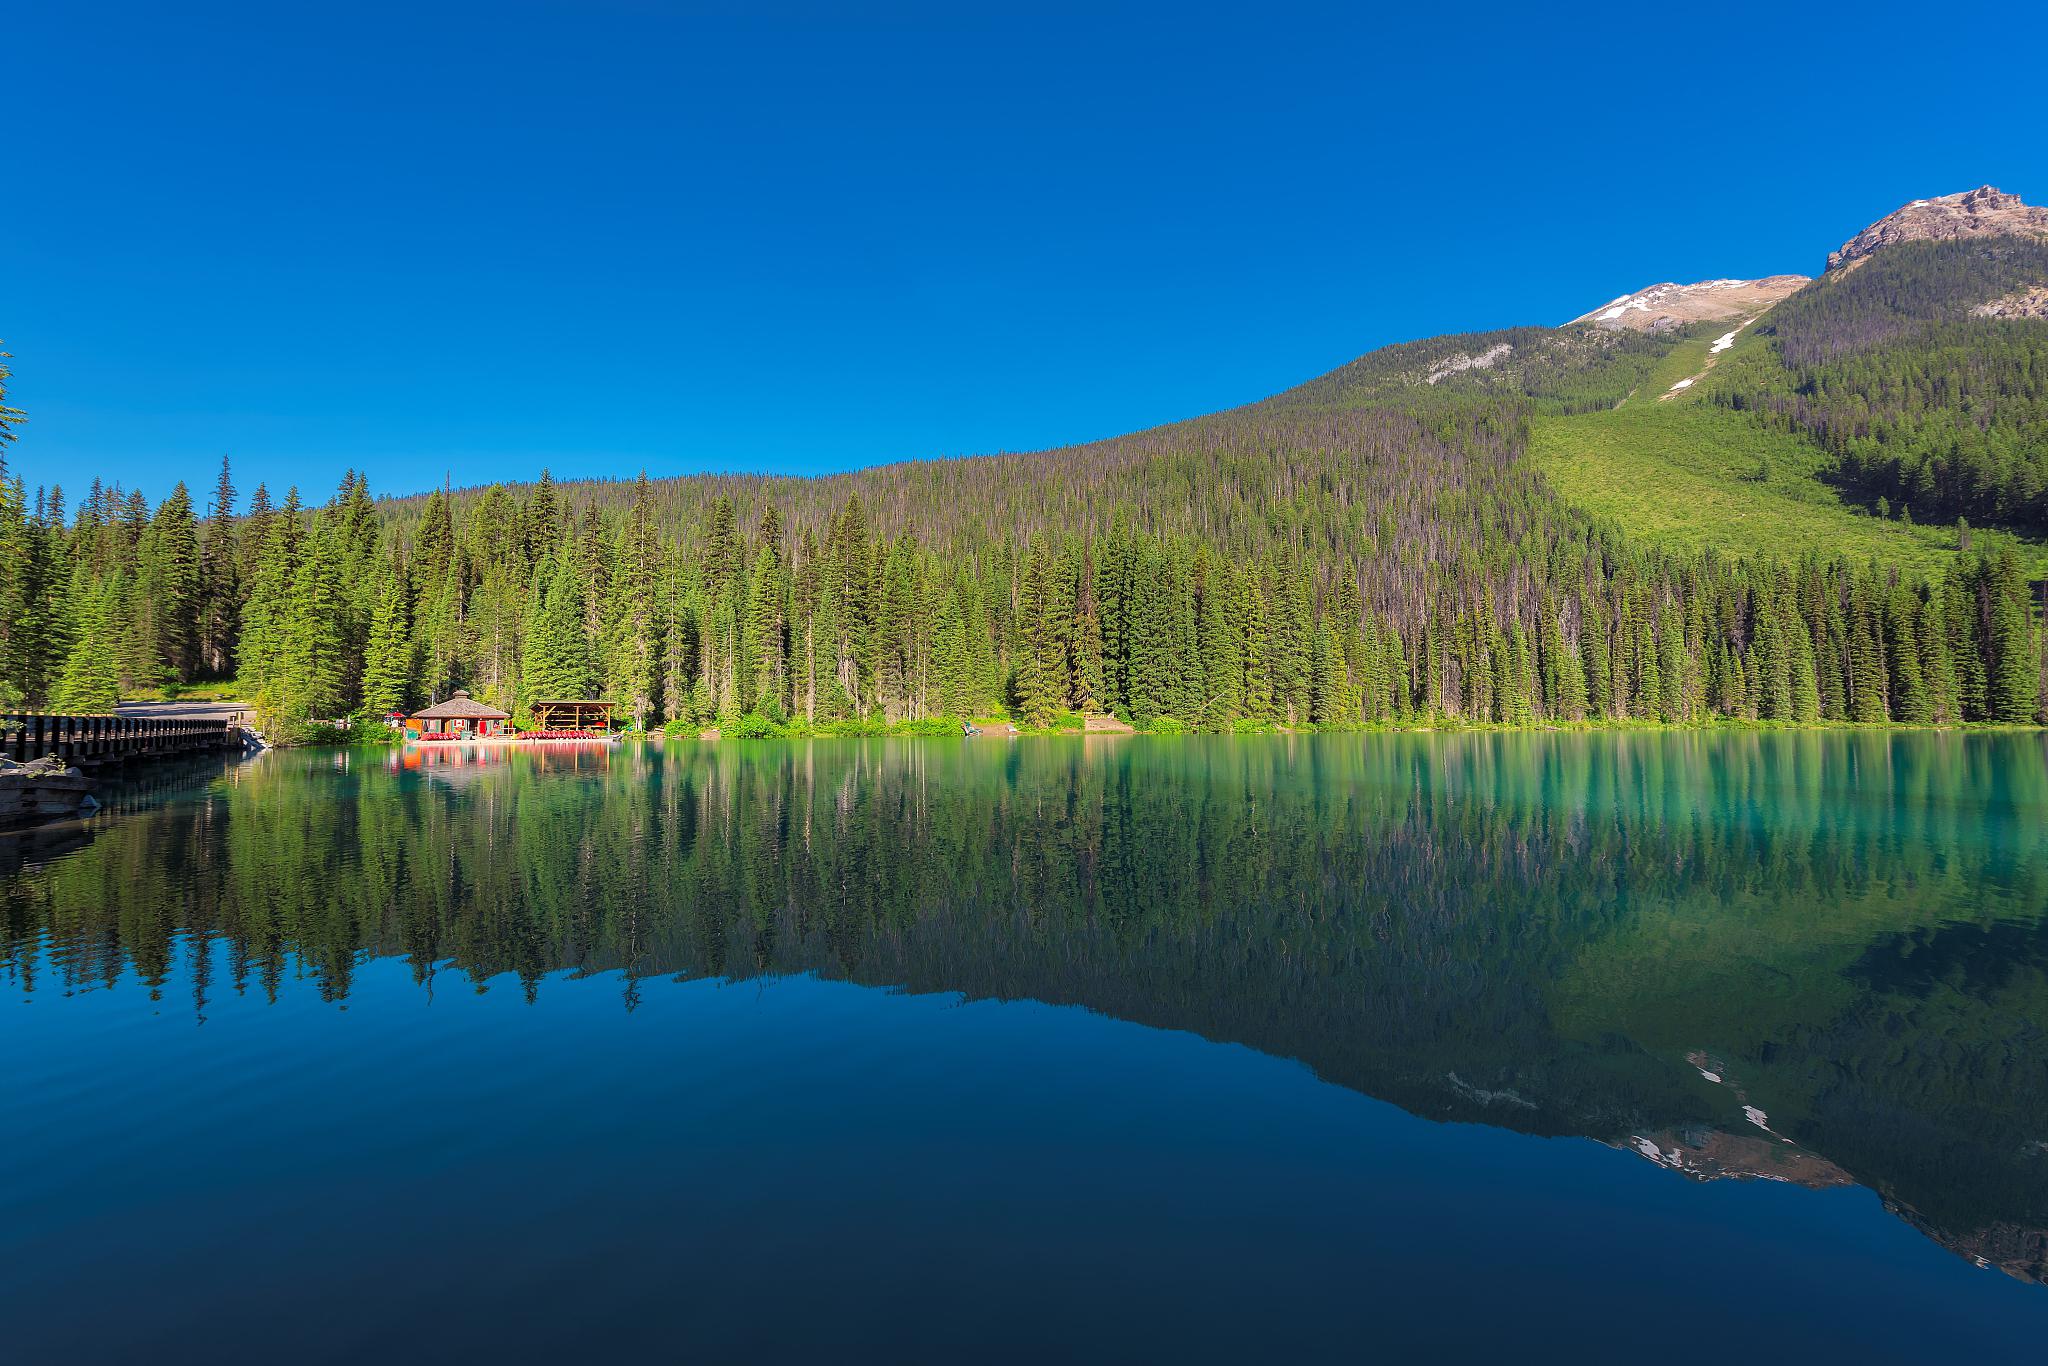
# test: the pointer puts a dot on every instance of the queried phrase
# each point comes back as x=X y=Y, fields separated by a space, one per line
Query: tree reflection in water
x=1819 y=957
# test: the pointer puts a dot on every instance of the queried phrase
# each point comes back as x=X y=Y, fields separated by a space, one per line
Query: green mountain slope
x=1691 y=477
x=1919 y=400
x=1551 y=370
x=1822 y=425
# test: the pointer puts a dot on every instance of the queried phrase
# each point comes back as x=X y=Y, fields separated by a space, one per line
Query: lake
x=1608 y=1047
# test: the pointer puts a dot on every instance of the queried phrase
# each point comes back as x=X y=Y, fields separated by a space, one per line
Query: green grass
x=1690 y=476
x=1689 y=357
x=219 y=690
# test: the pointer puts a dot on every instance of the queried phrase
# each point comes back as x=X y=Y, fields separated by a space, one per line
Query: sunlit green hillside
x=1689 y=476
x=1677 y=465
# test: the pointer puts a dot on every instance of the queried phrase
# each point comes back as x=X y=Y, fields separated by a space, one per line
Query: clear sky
x=472 y=240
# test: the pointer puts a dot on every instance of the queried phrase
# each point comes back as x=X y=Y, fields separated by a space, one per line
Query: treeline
x=746 y=621
x=1927 y=411
x=1287 y=564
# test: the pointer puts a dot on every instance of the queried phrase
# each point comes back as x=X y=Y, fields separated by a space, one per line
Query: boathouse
x=460 y=717
x=573 y=716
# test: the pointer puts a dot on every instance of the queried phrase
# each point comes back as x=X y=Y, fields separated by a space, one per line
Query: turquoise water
x=1589 y=1047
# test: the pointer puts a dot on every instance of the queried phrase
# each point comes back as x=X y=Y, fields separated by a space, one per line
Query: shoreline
x=1717 y=727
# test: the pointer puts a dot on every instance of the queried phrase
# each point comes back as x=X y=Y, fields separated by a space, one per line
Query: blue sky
x=474 y=240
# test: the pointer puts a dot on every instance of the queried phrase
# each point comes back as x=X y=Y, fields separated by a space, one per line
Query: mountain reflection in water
x=1811 y=958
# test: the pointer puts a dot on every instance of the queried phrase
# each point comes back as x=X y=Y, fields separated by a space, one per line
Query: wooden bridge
x=89 y=741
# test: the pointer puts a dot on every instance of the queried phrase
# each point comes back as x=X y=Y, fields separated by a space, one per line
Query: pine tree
x=2012 y=677
x=633 y=621
x=1598 y=658
x=558 y=659
x=950 y=659
x=267 y=614
x=1326 y=676
x=1672 y=662
x=10 y=418
x=220 y=580
x=540 y=523
x=16 y=554
x=768 y=634
x=1571 y=687
x=1937 y=665
x=90 y=682
x=1867 y=701
x=1962 y=610
x=1035 y=686
x=1519 y=692
x=1910 y=701
x=1184 y=649
x=1805 y=678
x=171 y=585
x=388 y=663
x=314 y=683
x=1223 y=644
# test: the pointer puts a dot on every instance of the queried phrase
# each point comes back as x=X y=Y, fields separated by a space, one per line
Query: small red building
x=461 y=717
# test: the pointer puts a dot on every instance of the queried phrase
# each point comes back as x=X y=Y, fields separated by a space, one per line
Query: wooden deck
x=89 y=741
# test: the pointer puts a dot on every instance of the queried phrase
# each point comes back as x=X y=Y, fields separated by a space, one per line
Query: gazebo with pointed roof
x=461 y=715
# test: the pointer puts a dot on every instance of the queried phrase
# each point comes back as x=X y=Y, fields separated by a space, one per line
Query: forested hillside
x=1927 y=408
x=1374 y=546
x=1539 y=369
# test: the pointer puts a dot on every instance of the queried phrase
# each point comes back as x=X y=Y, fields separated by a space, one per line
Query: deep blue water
x=749 y=1054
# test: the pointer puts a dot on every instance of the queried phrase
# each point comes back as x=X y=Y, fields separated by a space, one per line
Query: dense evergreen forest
x=1374 y=547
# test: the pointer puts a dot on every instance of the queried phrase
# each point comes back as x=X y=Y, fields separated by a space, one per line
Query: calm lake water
x=1608 y=1048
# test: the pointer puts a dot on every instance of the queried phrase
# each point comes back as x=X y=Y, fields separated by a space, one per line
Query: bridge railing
x=93 y=738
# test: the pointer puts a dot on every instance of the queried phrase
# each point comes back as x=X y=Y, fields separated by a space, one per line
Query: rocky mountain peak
x=1672 y=305
x=1983 y=212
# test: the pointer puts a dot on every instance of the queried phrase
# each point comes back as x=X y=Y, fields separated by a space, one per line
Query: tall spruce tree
x=388 y=663
x=558 y=661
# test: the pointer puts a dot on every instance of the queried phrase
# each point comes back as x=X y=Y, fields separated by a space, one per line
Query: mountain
x=1822 y=504
x=1982 y=212
x=1661 y=307
x=1891 y=408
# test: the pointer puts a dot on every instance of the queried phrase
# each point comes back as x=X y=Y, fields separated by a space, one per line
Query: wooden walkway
x=88 y=741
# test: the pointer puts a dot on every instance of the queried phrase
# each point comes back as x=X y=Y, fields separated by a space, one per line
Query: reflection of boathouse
x=460 y=717
x=456 y=766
